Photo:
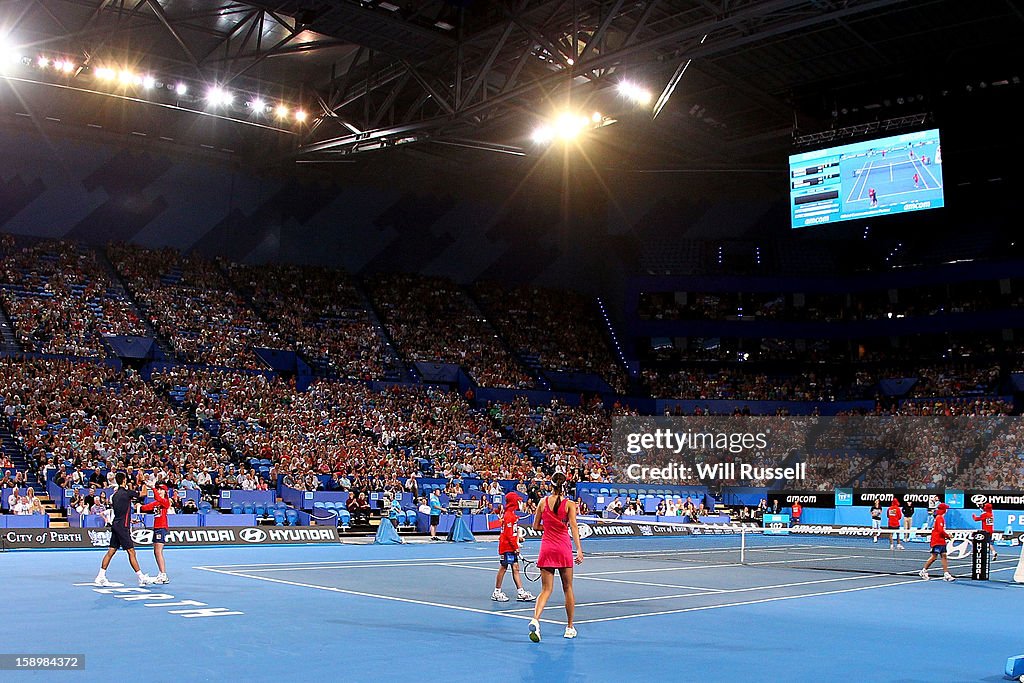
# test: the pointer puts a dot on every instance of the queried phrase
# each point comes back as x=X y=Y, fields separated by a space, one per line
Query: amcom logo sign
x=253 y=535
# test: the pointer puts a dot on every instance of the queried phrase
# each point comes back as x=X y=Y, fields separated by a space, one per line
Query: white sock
x=103 y=572
x=139 y=574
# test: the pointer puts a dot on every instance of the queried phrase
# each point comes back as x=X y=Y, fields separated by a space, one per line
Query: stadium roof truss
x=375 y=74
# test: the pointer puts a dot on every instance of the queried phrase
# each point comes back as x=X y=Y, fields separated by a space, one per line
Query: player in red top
x=938 y=544
x=988 y=525
x=873 y=196
x=917 y=181
x=508 y=551
x=159 y=507
x=798 y=510
x=894 y=514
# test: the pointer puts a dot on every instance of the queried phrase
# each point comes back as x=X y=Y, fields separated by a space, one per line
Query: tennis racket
x=530 y=568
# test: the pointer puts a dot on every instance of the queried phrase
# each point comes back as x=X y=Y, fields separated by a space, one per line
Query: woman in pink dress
x=556 y=516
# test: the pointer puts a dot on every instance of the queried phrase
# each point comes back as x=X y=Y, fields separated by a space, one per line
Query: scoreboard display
x=889 y=175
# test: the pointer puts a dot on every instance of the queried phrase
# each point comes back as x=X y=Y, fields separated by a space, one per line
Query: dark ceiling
x=434 y=77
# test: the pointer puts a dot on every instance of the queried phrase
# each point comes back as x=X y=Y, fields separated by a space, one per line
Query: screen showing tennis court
x=872 y=178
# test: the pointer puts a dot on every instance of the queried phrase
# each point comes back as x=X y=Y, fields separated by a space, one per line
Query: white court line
x=894 y=194
x=919 y=174
x=717 y=590
x=747 y=602
x=327 y=562
x=730 y=564
x=929 y=171
x=362 y=566
x=856 y=182
x=590 y=577
x=860 y=195
x=362 y=594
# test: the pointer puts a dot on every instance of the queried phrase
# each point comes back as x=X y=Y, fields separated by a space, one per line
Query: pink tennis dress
x=555 y=544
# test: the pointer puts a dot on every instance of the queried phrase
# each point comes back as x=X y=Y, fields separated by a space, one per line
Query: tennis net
x=838 y=549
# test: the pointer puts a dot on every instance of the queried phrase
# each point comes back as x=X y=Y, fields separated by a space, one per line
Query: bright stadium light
x=300 y=116
x=126 y=77
x=148 y=82
x=635 y=93
x=105 y=73
x=180 y=89
x=257 y=105
x=218 y=96
x=542 y=135
x=8 y=54
x=42 y=62
x=282 y=111
x=568 y=126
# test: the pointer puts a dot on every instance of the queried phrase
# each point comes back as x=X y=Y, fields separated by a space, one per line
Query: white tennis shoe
x=570 y=632
x=102 y=581
x=924 y=575
x=525 y=596
x=534 y=630
x=499 y=596
x=948 y=577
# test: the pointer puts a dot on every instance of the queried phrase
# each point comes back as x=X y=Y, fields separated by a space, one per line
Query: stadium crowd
x=433 y=320
x=191 y=304
x=320 y=314
x=557 y=330
x=61 y=299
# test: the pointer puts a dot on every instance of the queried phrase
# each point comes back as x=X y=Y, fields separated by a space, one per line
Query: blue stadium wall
x=502 y=220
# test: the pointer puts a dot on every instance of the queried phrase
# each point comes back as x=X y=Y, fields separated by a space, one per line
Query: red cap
x=988 y=507
x=943 y=507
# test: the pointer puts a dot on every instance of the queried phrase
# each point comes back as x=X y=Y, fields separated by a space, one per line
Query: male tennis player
x=908 y=518
x=938 y=543
x=160 y=507
x=121 y=531
x=876 y=518
x=988 y=526
x=508 y=551
x=894 y=514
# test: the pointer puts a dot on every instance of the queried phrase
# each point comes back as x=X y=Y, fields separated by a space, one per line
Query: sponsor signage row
x=970 y=499
x=17 y=539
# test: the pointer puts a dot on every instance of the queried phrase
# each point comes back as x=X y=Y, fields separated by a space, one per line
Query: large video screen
x=873 y=178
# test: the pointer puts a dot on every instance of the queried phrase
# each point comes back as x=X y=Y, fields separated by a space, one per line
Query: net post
x=743 y=546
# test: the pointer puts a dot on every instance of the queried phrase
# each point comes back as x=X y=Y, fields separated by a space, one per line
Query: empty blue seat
x=249 y=509
x=292 y=516
x=260 y=510
x=279 y=518
x=236 y=509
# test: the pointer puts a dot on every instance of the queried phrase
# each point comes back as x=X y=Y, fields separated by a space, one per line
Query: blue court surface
x=892 y=177
x=423 y=612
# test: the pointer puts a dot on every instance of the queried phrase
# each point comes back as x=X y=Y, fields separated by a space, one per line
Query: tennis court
x=649 y=608
x=892 y=177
